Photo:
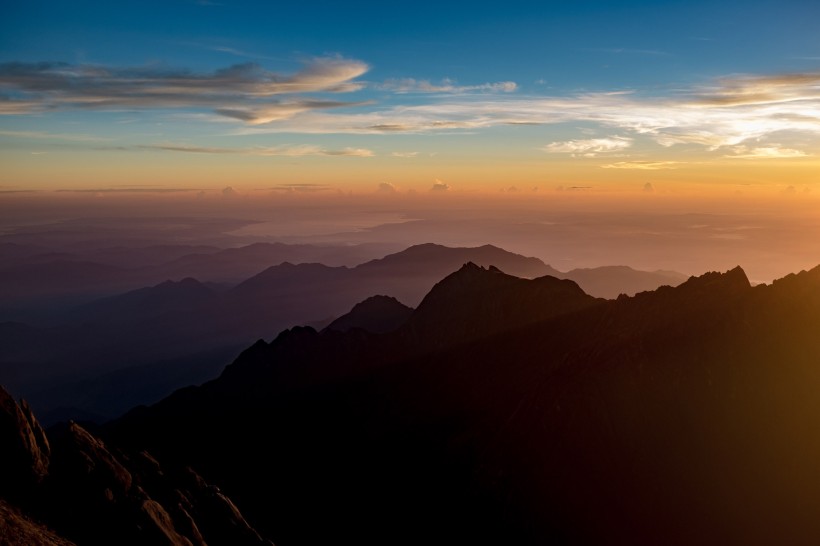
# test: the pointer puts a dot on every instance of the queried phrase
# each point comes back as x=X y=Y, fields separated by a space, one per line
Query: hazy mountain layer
x=111 y=354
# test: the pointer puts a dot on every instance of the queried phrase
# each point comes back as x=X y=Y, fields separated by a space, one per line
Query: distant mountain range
x=100 y=358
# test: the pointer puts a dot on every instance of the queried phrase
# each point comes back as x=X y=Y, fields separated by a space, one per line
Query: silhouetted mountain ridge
x=667 y=417
x=376 y=314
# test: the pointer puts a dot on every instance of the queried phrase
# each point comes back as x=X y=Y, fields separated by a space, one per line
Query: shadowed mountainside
x=526 y=412
x=96 y=495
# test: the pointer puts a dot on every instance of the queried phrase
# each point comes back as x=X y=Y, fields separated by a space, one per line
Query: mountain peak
x=376 y=314
x=476 y=301
x=734 y=280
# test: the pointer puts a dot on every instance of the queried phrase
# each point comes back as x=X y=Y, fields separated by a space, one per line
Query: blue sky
x=569 y=45
x=609 y=84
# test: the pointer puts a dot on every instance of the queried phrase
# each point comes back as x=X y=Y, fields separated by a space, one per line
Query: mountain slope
x=668 y=417
x=96 y=495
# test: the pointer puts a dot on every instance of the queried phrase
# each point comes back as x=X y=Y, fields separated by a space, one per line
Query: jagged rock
x=160 y=525
x=25 y=451
x=16 y=529
x=220 y=520
x=187 y=526
x=98 y=496
x=86 y=460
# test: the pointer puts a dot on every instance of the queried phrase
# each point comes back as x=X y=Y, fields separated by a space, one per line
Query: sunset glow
x=690 y=107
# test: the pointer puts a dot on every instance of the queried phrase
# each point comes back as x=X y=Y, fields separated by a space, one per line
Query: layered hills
x=105 y=356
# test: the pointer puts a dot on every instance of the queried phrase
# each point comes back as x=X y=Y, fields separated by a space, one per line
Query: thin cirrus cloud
x=411 y=85
x=765 y=152
x=287 y=151
x=44 y=135
x=732 y=112
x=643 y=165
x=241 y=91
x=590 y=147
x=773 y=114
x=750 y=90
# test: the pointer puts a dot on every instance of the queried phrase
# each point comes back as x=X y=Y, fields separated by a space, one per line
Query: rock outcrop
x=94 y=494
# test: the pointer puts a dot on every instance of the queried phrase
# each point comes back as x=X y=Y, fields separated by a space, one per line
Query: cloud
x=746 y=90
x=439 y=186
x=716 y=117
x=43 y=135
x=404 y=154
x=242 y=91
x=301 y=188
x=387 y=187
x=643 y=165
x=16 y=107
x=628 y=51
x=648 y=188
x=278 y=110
x=229 y=192
x=411 y=85
x=288 y=151
x=128 y=190
x=589 y=147
x=791 y=110
x=766 y=152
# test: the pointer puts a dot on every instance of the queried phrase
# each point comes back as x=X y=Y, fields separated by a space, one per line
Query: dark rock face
x=96 y=495
x=18 y=529
x=26 y=450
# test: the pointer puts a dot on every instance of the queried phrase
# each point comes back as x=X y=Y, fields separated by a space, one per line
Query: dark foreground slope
x=523 y=412
x=69 y=484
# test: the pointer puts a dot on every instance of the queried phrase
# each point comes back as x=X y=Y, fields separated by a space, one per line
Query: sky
x=519 y=101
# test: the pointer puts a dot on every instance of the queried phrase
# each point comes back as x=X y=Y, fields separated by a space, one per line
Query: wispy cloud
x=128 y=190
x=43 y=135
x=404 y=154
x=643 y=165
x=765 y=152
x=761 y=112
x=411 y=85
x=731 y=112
x=751 y=90
x=628 y=51
x=289 y=151
x=589 y=147
x=242 y=91
x=301 y=188
x=278 y=111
